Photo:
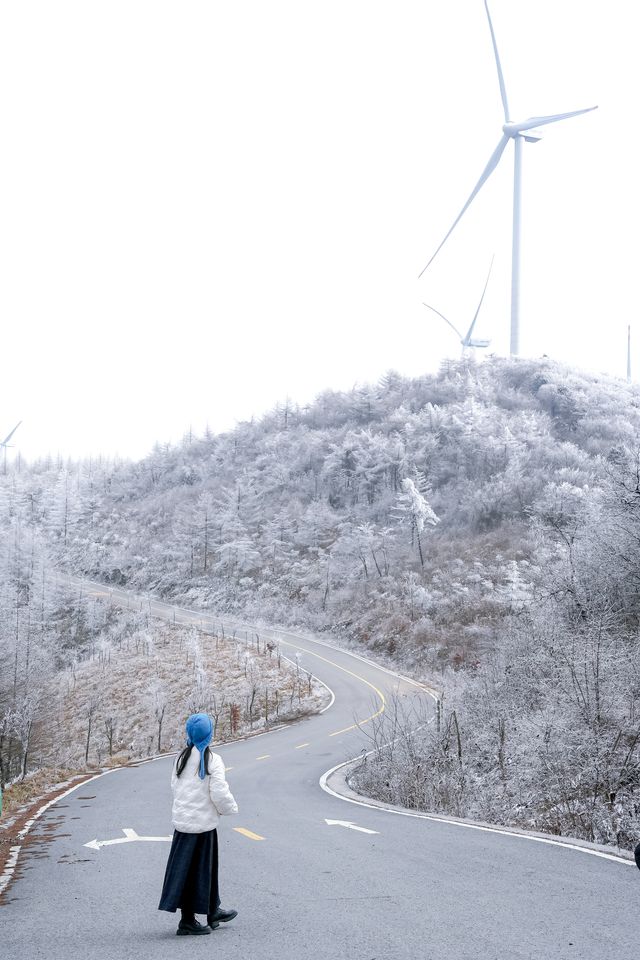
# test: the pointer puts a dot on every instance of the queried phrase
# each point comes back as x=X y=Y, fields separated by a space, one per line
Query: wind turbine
x=468 y=340
x=528 y=130
x=5 y=443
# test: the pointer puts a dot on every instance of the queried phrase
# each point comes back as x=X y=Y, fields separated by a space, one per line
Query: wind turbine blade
x=494 y=159
x=6 y=439
x=429 y=307
x=542 y=121
x=473 y=323
x=503 y=89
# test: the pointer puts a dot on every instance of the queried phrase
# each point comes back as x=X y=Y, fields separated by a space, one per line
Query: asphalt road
x=414 y=888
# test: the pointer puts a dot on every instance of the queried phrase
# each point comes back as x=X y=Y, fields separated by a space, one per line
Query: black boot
x=220 y=916
x=189 y=925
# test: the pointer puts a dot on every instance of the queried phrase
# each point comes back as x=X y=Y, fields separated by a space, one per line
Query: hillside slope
x=318 y=515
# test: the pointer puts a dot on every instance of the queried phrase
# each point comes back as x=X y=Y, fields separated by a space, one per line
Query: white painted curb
x=14 y=852
x=344 y=792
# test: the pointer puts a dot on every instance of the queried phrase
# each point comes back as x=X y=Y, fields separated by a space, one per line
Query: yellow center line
x=264 y=756
x=248 y=833
x=357 y=676
x=301 y=745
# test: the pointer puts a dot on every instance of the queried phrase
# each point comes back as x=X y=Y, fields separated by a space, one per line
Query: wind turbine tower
x=517 y=131
x=629 y=353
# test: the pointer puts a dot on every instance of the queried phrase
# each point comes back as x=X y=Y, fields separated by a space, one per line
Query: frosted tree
x=517 y=591
x=24 y=726
x=186 y=537
x=414 y=508
x=206 y=523
x=8 y=725
x=91 y=707
x=236 y=511
x=63 y=512
x=160 y=700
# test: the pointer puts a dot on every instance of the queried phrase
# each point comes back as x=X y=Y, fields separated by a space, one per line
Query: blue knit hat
x=200 y=734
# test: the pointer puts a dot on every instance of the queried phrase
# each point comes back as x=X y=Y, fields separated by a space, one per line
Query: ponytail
x=182 y=759
x=184 y=756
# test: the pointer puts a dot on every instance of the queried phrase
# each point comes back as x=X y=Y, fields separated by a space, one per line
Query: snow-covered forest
x=478 y=526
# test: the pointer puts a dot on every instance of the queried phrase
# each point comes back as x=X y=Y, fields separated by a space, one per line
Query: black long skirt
x=191 y=877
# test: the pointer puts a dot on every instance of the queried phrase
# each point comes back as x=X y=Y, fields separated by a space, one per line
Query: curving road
x=397 y=887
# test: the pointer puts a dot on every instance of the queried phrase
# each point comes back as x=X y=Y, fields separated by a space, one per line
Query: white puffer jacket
x=197 y=803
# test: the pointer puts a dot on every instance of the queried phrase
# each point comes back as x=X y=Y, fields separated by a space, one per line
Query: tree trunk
x=86 y=752
x=26 y=750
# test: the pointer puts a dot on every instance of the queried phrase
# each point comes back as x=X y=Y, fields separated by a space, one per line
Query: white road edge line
x=325 y=685
x=7 y=873
x=469 y=824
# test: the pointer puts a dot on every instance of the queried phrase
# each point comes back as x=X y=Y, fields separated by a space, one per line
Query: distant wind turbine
x=468 y=340
x=516 y=131
x=629 y=353
x=5 y=443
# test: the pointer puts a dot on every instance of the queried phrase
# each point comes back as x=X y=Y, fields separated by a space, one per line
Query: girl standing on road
x=200 y=795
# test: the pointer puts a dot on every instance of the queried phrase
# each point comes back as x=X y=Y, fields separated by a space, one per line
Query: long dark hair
x=184 y=756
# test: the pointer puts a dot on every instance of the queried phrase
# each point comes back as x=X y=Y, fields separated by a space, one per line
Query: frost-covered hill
x=322 y=515
x=486 y=518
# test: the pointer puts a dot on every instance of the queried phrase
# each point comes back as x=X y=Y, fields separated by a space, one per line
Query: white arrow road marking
x=351 y=826
x=129 y=837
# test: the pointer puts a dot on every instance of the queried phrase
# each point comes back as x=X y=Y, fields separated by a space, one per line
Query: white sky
x=206 y=207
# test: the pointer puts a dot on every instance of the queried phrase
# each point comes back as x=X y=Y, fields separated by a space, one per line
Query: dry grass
x=123 y=688
x=22 y=793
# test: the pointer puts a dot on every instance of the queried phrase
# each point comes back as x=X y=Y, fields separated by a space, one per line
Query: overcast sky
x=207 y=207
